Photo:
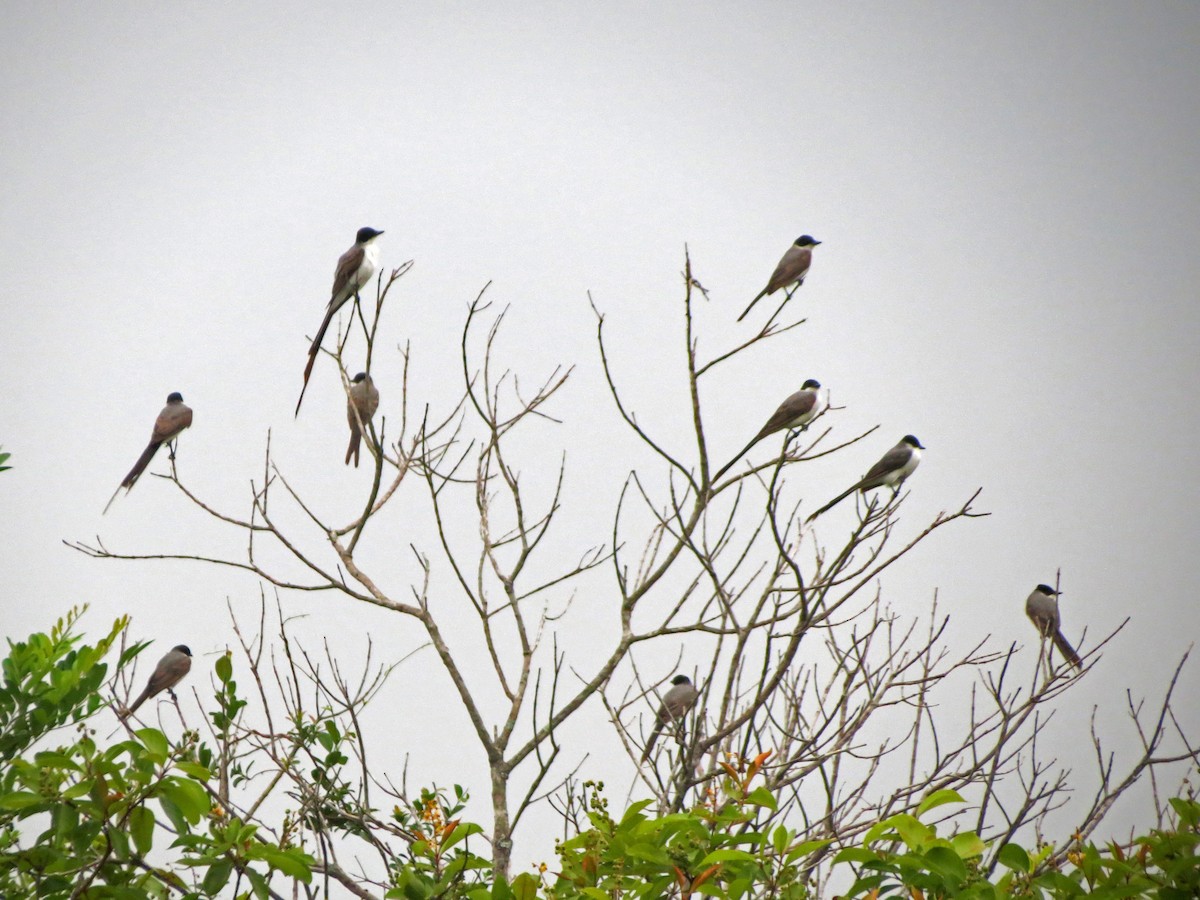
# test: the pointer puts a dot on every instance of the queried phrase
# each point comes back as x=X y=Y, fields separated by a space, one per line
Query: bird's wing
x=676 y=703
x=347 y=268
x=174 y=418
x=894 y=459
x=169 y=672
x=792 y=267
x=799 y=404
x=1043 y=612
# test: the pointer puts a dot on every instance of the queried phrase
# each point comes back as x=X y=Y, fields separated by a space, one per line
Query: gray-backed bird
x=173 y=419
x=895 y=466
x=797 y=411
x=360 y=407
x=169 y=672
x=675 y=705
x=1042 y=608
x=792 y=268
x=354 y=269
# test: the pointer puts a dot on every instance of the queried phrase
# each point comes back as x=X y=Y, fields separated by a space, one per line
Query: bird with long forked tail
x=797 y=411
x=173 y=419
x=792 y=268
x=354 y=269
x=360 y=407
x=891 y=471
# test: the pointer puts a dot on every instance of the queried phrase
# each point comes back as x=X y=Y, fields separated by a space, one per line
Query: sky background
x=1008 y=199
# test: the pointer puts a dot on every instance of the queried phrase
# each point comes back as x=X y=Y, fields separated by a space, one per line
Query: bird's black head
x=806 y=240
x=175 y=397
x=681 y=679
x=811 y=383
x=182 y=648
x=912 y=441
x=365 y=234
x=1047 y=590
x=361 y=376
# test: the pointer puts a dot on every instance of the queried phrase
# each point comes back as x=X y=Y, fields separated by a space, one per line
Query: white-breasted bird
x=1042 y=608
x=797 y=411
x=792 y=268
x=354 y=269
x=891 y=470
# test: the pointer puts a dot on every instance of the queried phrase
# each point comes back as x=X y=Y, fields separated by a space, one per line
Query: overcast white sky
x=1008 y=197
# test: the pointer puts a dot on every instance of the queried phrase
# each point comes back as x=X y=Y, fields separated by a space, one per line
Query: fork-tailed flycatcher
x=173 y=419
x=354 y=269
x=895 y=466
x=360 y=407
x=792 y=268
x=1042 y=608
x=168 y=673
x=675 y=705
x=797 y=411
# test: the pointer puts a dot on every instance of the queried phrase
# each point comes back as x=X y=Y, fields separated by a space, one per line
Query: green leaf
x=51 y=760
x=856 y=855
x=194 y=769
x=292 y=863
x=968 y=845
x=760 y=796
x=946 y=863
x=633 y=814
x=727 y=855
x=224 y=667
x=939 y=798
x=20 y=800
x=172 y=812
x=914 y=834
x=154 y=741
x=216 y=876
x=525 y=887
x=261 y=889
x=141 y=827
x=1013 y=856
x=189 y=796
x=461 y=832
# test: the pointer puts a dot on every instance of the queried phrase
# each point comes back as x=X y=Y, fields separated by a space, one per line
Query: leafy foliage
x=151 y=816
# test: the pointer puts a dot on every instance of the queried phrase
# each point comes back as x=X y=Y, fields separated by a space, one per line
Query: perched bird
x=364 y=398
x=895 y=466
x=675 y=705
x=795 y=412
x=354 y=269
x=173 y=419
x=792 y=268
x=168 y=673
x=1042 y=608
